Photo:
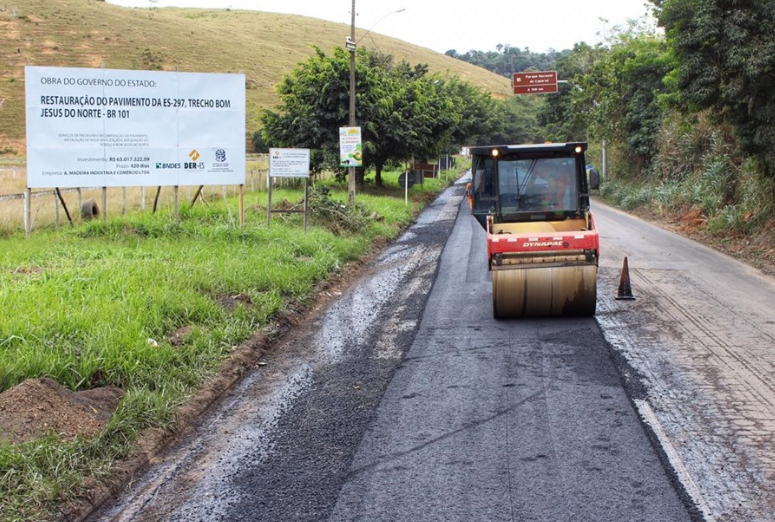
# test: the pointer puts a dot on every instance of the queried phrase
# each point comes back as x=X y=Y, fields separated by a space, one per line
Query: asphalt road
x=700 y=337
x=407 y=401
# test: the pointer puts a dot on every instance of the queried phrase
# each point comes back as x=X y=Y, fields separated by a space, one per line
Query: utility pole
x=351 y=47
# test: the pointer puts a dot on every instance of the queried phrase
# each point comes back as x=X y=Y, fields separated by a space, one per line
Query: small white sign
x=289 y=163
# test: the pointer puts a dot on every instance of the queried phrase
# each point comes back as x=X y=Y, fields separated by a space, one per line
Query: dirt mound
x=40 y=406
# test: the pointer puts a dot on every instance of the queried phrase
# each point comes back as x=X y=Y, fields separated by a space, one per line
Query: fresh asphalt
x=407 y=401
x=515 y=420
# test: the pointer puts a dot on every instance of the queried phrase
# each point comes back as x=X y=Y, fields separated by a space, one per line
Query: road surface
x=701 y=338
x=406 y=400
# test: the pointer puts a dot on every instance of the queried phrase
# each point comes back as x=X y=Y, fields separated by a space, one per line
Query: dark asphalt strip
x=315 y=441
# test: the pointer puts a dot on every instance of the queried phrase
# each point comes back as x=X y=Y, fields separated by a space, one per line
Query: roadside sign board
x=538 y=82
x=126 y=128
x=535 y=89
x=350 y=147
x=405 y=180
x=289 y=163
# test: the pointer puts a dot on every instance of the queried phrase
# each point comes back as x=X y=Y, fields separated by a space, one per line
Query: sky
x=442 y=25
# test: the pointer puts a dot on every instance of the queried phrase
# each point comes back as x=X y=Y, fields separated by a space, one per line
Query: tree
x=506 y=60
x=513 y=121
x=623 y=91
x=403 y=111
x=314 y=106
x=563 y=117
x=725 y=52
x=259 y=145
x=478 y=114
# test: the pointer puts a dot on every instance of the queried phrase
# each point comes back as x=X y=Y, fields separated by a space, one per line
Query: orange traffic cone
x=625 y=290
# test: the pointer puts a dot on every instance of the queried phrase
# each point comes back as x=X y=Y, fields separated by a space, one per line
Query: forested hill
x=507 y=60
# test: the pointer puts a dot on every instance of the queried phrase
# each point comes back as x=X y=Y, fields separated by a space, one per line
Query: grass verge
x=99 y=305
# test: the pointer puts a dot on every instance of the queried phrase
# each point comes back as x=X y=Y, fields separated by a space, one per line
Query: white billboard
x=120 y=128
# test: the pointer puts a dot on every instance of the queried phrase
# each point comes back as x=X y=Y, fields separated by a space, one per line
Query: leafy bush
x=336 y=215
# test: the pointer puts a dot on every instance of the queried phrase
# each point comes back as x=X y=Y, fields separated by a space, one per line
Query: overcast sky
x=442 y=25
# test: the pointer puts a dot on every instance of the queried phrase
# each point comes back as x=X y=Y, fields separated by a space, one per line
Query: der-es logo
x=194 y=155
x=220 y=164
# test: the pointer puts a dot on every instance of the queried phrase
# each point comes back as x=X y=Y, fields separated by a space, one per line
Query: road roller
x=542 y=241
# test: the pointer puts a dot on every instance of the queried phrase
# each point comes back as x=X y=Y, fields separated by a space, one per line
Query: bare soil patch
x=38 y=407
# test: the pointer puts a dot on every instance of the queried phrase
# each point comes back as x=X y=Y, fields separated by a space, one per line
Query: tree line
x=507 y=60
x=687 y=110
x=404 y=111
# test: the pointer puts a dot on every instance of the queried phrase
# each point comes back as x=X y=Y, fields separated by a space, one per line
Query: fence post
x=56 y=211
x=242 y=205
x=176 y=190
x=104 y=203
x=27 y=212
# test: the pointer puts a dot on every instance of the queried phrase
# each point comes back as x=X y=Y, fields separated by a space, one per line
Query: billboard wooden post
x=242 y=205
x=104 y=203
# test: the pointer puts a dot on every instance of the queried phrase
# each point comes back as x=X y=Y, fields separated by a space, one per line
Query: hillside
x=263 y=46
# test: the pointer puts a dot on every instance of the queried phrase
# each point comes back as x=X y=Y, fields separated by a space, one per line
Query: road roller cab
x=542 y=242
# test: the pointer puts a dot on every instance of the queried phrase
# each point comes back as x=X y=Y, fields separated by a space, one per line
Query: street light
x=351 y=44
x=378 y=21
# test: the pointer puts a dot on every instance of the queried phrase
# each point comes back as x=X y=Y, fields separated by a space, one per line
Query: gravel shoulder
x=699 y=337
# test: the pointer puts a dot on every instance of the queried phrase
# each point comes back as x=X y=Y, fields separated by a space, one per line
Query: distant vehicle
x=593 y=176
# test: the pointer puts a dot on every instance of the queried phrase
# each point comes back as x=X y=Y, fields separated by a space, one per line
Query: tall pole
x=351 y=47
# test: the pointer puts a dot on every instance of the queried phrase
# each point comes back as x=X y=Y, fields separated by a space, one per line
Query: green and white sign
x=350 y=147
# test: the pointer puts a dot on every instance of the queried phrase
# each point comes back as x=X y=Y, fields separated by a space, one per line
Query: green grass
x=740 y=207
x=97 y=304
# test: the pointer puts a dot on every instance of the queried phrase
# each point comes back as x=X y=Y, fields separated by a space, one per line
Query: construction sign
x=126 y=128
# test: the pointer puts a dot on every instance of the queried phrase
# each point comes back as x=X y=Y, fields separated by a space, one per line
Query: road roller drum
x=544 y=291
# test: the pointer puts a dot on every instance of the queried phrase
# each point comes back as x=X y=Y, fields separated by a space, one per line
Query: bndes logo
x=168 y=165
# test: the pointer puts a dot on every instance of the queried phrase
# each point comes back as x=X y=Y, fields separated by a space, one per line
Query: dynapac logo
x=544 y=244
